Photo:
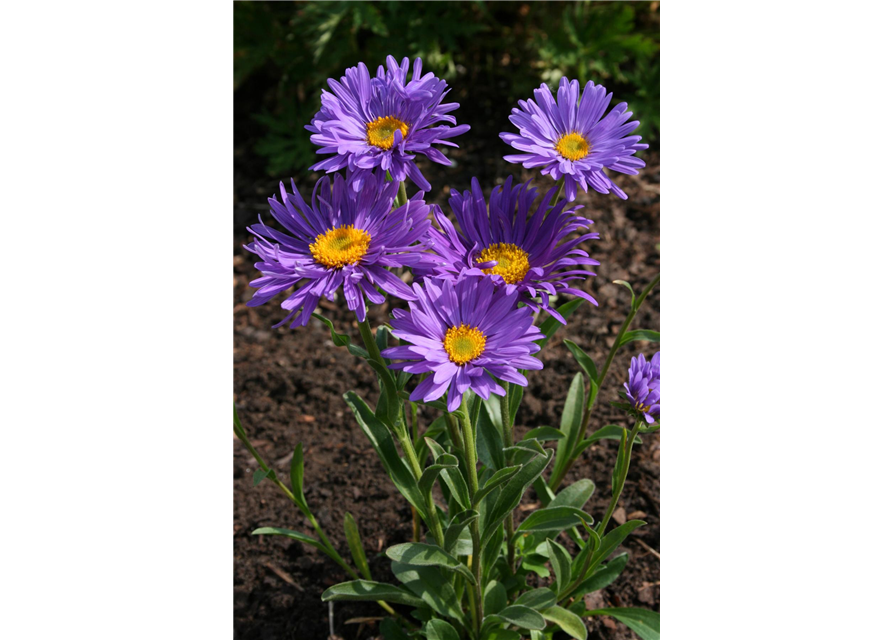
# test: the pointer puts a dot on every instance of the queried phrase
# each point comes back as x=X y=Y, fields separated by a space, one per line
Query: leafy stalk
x=508 y=440
x=475 y=598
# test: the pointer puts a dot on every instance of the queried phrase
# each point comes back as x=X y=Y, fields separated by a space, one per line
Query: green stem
x=508 y=440
x=330 y=550
x=615 y=497
x=401 y=194
x=477 y=606
x=369 y=341
x=409 y=452
x=558 y=476
x=558 y=193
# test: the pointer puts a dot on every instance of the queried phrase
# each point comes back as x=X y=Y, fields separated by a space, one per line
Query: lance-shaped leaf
x=511 y=493
x=389 y=403
x=550 y=325
x=431 y=586
x=543 y=434
x=369 y=590
x=495 y=598
x=569 y=622
x=437 y=629
x=457 y=525
x=518 y=615
x=516 y=392
x=645 y=623
x=489 y=433
x=552 y=519
x=571 y=418
x=259 y=476
x=496 y=480
x=297 y=479
x=356 y=545
x=588 y=366
x=339 y=339
x=603 y=576
x=419 y=554
x=561 y=565
x=613 y=539
x=644 y=335
x=538 y=599
x=384 y=446
x=445 y=461
x=630 y=287
x=451 y=476
x=609 y=432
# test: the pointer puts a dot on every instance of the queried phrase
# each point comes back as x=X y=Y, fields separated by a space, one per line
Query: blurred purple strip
x=784 y=384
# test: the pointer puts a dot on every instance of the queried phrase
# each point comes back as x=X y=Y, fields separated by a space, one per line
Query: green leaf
x=500 y=634
x=569 y=622
x=389 y=403
x=602 y=577
x=260 y=474
x=550 y=324
x=630 y=287
x=645 y=623
x=543 y=434
x=430 y=585
x=561 y=564
x=451 y=476
x=369 y=590
x=644 y=335
x=609 y=432
x=297 y=479
x=237 y=424
x=457 y=524
x=552 y=519
x=340 y=339
x=543 y=491
x=583 y=360
x=576 y=495
x=538 y=599
x=489 y=433
x=516 y=392
x=352 y=534
x=520 y=616
x=571 y=418
x=381 y=338
x=390 y=630
x=511 y=493
x=419 y=554
x=613 y=539
x=495 y=598
x=440 y=630
x=300 y=537
x=446 y=461
x=384 y=446
x=497 y=480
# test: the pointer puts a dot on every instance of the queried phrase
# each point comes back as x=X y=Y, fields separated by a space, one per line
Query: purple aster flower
x=379 y=124
x=342 y=239
x=516 y=249
x=572 y=140
x=464 y=332
x=643 y=388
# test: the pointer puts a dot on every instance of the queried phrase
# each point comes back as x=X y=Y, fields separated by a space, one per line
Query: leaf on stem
x=352 y=534
x=645 y=623
x=369 y=590
x=259 y=476
x=419 y=554
x=569 y=622
x=644 y=335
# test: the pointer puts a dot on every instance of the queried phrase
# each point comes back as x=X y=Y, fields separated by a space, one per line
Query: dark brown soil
x=288 y=386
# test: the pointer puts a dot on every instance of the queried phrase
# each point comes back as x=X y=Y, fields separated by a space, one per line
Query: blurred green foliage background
x=491 y=53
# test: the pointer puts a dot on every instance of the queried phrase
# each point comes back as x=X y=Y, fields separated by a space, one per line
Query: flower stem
x=558 y=193
x=508 y=440
x=401 y=194
x=615 y=497
x=558 y=476
x=369 y=341
x=477 y=606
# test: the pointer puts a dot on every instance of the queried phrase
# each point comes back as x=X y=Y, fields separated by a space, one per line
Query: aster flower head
x=517 y=245
x=465 y=333
x=571 y=139
x=643 y=388
x=341 y=239
x=378 y=124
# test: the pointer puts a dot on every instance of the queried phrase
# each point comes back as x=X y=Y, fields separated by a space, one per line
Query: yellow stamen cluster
x=380 y=132
x=512 y=261
x=572 y=146
x=464 y=343
x=340 y=246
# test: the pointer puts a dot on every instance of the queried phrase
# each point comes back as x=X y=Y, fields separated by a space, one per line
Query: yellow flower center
x=572 y=146
x=340 y=246
x=380 y=132
x=512 y=263
x=464 y=343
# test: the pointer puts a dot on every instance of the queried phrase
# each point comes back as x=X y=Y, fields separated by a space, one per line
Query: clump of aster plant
x=464 y=349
